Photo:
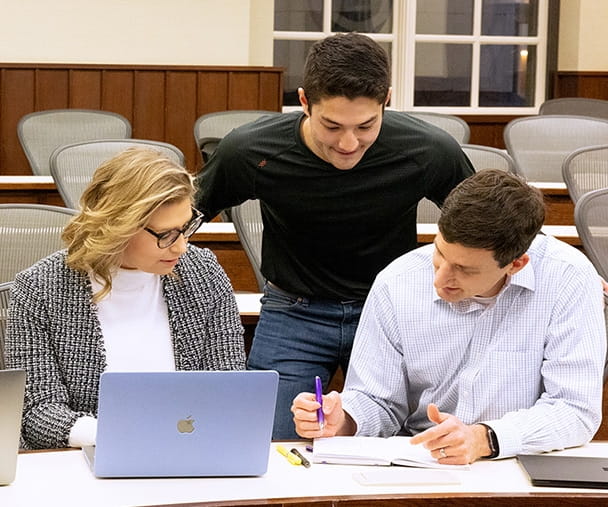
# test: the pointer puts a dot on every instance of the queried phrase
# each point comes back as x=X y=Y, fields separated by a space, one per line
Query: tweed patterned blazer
x=54 y=334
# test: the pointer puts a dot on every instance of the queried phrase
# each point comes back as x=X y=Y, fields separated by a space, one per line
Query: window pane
x=443 y=74
x=291 y=55
x=516 y=17
x=507 y=76
x=298 y=15
x=441 y=17
x=366 y=16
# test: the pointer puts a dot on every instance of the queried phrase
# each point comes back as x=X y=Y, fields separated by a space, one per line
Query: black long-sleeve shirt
x=328 y=232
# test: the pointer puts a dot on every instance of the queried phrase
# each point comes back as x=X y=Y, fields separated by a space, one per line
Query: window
x=453 y=56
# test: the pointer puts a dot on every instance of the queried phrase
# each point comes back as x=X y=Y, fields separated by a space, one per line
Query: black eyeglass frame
x=173 y=235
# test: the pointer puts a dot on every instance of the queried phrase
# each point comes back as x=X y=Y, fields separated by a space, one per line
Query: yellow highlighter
x=291 y=457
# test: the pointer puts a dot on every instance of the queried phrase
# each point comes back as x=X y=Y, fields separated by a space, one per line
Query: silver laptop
x=12 y=387
x=184 y=424
x=565 y=471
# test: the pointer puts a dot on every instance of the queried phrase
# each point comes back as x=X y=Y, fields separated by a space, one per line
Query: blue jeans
x=301 y=338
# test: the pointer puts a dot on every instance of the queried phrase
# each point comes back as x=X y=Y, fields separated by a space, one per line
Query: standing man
x=489 y=343
x=338 y=186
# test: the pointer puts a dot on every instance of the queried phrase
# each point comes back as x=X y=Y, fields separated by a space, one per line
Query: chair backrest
x=591 y=219
x=586 y=169
x=580 y=106
x=540 y=144
x=4 y=300
x=29 y=232
x=606 y=319
x=209 y=129
x=42 y=132
x=247 y=219
x=73 y=165
x=453 y=125
x=486 y=157
x=482 y=157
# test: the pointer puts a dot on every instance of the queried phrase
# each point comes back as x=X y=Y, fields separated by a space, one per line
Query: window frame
x=403 y=39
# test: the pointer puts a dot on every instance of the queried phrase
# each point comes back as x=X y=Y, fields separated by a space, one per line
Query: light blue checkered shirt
x=530 y=365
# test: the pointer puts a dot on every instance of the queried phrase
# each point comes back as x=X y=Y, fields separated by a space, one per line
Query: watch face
x=492 y=442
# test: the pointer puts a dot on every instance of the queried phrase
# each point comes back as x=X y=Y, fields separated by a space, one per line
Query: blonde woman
x=128 y=294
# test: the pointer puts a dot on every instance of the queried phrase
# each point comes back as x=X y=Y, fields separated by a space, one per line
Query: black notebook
x=565 y=471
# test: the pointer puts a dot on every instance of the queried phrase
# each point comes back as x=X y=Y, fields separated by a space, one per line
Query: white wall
x=187 y=32
x=210 y=32
x=583 y=35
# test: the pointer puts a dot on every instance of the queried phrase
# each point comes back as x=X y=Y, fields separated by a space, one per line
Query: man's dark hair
x=493 y=210
x=347 y=65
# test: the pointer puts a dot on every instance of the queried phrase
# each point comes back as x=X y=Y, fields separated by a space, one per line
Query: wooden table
x=221 y=238
x=41 y=189
x=29 y=189
x=560 y=208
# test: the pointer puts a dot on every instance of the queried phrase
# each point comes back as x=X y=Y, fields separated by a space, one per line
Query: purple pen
x=319 y=396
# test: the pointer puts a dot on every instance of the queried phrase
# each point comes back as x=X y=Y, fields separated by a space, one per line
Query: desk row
x=42 y=190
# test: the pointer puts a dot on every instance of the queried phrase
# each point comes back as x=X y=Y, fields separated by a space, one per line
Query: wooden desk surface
x=41 y=189
x=63 y=479
x=222 y=239
x=29 y=189
x=26 y=182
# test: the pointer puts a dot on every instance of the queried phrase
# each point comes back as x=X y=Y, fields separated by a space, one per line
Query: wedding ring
x=442 y=453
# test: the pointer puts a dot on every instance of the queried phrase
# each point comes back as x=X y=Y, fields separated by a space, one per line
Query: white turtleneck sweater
x=133 y=318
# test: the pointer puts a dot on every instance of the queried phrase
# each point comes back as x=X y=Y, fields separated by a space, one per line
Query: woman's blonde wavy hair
x=119 y=201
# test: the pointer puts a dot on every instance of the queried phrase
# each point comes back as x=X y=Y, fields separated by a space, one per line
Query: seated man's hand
x=304 y=410
x=451 y=441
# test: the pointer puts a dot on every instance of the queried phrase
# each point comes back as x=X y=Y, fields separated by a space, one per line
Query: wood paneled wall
x=487 y=130
x=593 y=85
x=161 y=102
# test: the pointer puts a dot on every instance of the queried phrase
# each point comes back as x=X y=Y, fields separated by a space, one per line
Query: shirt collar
x=523 y=278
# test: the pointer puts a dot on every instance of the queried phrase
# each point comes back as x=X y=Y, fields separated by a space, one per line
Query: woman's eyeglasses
x=166 y=239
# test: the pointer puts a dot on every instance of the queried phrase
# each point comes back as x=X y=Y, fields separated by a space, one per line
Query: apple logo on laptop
x=185 y=425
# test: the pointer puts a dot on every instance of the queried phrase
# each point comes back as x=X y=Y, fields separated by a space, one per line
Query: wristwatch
x=492 y=442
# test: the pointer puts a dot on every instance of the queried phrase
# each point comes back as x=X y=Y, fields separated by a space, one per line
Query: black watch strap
x=492 y=442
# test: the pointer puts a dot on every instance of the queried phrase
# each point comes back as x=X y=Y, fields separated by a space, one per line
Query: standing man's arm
x=447 y=166
x=226 y=179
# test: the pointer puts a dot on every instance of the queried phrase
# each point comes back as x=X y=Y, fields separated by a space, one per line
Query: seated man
x=489 y=343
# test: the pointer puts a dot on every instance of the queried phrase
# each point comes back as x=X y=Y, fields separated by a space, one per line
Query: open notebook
x=184 y=424
x=395 y=450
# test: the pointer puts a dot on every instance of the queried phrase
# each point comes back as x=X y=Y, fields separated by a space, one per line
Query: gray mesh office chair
x=4 y=300
x=591 y=219
x=209 y=129
x=457 y=127
x=586 y=169
x=540 y=144
x=580 y=106
x=72 y=166
x=482 y=157
x=247 y=219
x=29 y=232
x=41 y=132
